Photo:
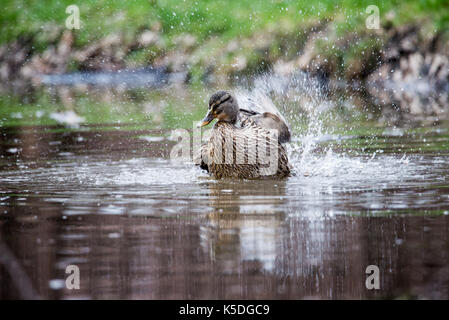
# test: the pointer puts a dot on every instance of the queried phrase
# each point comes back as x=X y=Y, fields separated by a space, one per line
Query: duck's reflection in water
x=245 y=223
x=309 y=256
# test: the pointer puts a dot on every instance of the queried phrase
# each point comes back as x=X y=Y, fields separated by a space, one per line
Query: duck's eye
x=218 y=110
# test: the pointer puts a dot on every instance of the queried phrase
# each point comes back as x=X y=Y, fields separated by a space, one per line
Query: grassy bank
x=232 y=37
x=202 y=18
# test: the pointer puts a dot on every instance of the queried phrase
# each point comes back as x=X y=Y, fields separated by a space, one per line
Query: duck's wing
x=259 y=108
x=272 y=122
x=257 y=102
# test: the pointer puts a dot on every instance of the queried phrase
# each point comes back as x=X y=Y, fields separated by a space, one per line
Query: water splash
x=305 y=104
x=302 y=101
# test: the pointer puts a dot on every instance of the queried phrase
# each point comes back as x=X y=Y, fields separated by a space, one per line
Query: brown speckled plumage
x=248 y=147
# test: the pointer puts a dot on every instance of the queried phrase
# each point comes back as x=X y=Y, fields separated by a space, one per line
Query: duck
x=244 y=143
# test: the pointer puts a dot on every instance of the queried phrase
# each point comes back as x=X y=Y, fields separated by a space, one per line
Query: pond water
x=108 y=199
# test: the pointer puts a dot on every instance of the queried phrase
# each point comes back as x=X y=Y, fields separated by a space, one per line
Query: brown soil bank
x=392 y=61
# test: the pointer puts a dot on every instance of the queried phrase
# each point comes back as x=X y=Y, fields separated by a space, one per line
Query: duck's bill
x=207 y=119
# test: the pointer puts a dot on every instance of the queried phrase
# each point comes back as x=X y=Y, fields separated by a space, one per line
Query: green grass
x=204 y=18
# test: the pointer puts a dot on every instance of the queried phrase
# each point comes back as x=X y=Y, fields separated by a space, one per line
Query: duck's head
x=222 y=106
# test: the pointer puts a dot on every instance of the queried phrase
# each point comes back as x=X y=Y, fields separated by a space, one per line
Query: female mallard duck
x=244 y=143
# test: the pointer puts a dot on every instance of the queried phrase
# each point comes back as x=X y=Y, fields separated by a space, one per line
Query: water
x=109 y=200
x=137 y=78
